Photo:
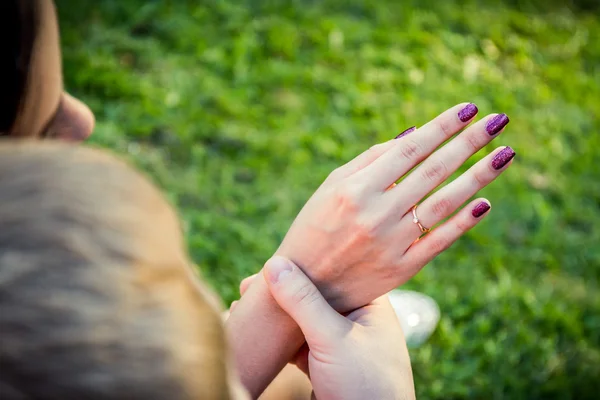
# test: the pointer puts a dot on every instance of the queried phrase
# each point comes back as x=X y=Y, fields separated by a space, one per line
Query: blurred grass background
x=239 y=109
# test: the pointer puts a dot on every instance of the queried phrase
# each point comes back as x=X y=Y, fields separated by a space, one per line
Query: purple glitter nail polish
x=496 y=124
x=406 y=132
x=503 y=157
x=468 y=112
x=480 y=209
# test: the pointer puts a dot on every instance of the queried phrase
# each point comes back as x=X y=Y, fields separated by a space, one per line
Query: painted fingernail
x=496 y=124
x=503 y=157
x=480 y=209
x=468 y=112
x=406 y=132
x=278 y=268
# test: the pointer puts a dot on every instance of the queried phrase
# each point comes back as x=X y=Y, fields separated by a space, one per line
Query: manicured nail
x=503 y=157
x=468 y=112
x=278 y=268
x=406 y=132
x=496 y=124
x=480 y=209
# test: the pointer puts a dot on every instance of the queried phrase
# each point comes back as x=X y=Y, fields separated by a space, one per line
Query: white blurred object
x=418 y=315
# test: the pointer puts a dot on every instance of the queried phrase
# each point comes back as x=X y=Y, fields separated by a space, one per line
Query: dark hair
x=19 y=25
x=96 y=297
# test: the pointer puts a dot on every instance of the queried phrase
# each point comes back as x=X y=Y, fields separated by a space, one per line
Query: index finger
x=414 y=148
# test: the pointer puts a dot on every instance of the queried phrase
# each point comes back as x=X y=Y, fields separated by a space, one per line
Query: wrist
x=262 y=336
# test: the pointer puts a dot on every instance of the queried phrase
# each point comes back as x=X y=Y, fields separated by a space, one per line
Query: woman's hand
x=356 y=238
x=360 y=356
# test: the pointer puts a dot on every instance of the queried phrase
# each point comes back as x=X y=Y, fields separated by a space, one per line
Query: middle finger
x=439 y=166
x=408 y=151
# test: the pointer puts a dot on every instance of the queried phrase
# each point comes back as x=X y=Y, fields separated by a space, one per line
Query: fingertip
x=276 y=269
x=496 y=124
x=467 y=112
x=481 y=208
x=502 y=157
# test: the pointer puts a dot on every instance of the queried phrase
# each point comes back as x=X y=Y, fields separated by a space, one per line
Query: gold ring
x=416 y=221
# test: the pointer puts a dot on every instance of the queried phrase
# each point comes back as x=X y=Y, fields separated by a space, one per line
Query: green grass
x=239 y=110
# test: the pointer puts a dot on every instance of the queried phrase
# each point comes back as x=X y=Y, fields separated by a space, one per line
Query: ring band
x=416 y=220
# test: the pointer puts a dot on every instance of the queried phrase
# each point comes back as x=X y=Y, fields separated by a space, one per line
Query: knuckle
x=441 y=208
x=375 y=149
x=372 y=153
x=435 y=172
x=472 y=143
x=438 y=245
x=479 y=179
x=446 y=128
x=305 y=295
x=369 y=227
x=365 y=231
x=462 y=226
x=349 y=195
x=335 y=174
x=410 y=150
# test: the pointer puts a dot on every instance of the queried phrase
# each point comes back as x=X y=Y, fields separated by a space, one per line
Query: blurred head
x=32 y=100
x=97 y=296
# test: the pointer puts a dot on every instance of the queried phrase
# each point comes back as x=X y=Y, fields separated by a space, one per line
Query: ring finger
x=426 y=249
x=439 y=166
x=449 y=198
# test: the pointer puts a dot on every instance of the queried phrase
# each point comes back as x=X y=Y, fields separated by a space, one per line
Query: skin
x=354 y=239
x=47 y=110
x=370 y=337
x=345 y=356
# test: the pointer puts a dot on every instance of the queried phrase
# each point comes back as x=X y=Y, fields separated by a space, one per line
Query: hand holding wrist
x=360 y=356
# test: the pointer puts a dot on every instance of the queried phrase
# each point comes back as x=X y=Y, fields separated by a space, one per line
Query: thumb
x=300 y=298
